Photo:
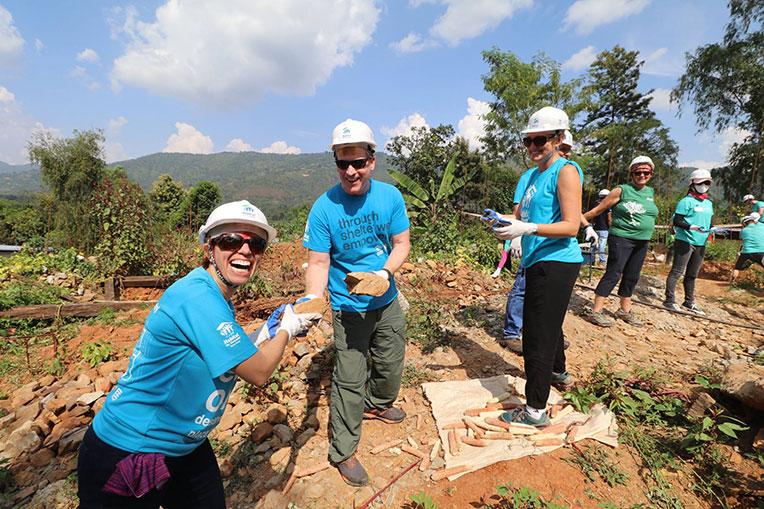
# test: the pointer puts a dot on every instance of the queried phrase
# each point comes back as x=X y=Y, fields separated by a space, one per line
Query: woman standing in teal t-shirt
x=548 y=220
x=692 y=223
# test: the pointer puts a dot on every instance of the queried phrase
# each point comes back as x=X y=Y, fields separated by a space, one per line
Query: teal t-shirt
x=357 y=233
x=695 y=212
x=540 y=205
x=755 y=208
x=180 y=373
x=522 y=183
x=753 y=238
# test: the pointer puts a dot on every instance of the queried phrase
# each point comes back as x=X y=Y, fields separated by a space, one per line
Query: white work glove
x=590 y=235
x=516 y=229
x=695 y=228
x=296 y=323
x=306 y=298
x=516 y=247
x=382 y=273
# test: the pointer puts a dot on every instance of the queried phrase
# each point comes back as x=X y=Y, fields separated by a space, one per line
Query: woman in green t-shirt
x=633 y=221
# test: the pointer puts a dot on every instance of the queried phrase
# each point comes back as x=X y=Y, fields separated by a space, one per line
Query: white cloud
x=413 y=43
x=661 y=99
x=586 y=15
x=729 y=137
x=116 y=124
x=238 y=145
x=114 y=151
x=472 y=126
x=188 y=141
x=581 y=59
x=404 y=126
x=657 y=64
x=38 y=45
x=280 y=147
x=17 y=129
x=87 y=55
x=80 y=73
x=11 y=42
x=227 y=56
x=701 y=164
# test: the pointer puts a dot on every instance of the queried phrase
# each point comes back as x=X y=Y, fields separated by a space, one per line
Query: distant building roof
x=7 y=248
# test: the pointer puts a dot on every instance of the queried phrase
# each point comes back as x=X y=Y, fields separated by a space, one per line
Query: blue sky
x=206 y=76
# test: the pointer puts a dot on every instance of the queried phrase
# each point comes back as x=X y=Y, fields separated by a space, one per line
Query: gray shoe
x=671 y=306
x=629 y=318
x=352 y=472
x=598 y=318
x=563 y=381
x=693 y=308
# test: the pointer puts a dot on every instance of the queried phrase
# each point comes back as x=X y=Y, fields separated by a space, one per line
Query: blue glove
x=269 y=328
x=493 y=218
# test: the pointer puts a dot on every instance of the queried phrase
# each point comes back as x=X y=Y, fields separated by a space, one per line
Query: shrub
x=96 y=352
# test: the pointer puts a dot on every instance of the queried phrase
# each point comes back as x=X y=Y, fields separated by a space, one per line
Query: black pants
x=687 y=262
x=195 y=479
x=624 y=262
x=548 y=286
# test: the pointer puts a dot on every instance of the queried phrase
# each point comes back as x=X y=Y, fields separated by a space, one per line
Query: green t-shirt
x=755 y=208
x=753 y=238
x=635 y=213
x=695 y=212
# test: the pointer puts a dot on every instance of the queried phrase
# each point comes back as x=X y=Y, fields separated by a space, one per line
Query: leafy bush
x=28 y=294
x=447 y=239
x=722 y=250
x=31 y=263
x=292 y=225
x=96 y=352
x=174 y=253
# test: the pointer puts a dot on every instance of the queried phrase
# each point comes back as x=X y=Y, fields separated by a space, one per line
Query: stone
x=437 y=463
x=51 y=495
x=231 y=418
x=301 y=350
x=66 y=425
x=366 y=283
x=89 y=398
x=284 y=433
x=27 y=413
x=83 y=380
x=262 y=431
x=102 y=384
x=71 y=440
x=47 y=380
x=107 y=368
x=758 y=442
x=23 y=440
x=303 y=437
x=698 y=408
x=25 y=478
x=41 y=457
x=263 y=448
x=226 y=468
x=24 y=494
x=55 y=405
x=7 y=419
x=312 y=421
x=98 y=405
x=745 y=382
x=297 y=387
x=279 y=456
x=314 y=491
x=276 y=414
x=22 y=397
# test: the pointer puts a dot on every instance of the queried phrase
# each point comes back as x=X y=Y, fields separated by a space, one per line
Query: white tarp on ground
x=450 y=400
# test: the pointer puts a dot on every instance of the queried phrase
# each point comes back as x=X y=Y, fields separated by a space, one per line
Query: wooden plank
x=79 y=310
x=147 y=281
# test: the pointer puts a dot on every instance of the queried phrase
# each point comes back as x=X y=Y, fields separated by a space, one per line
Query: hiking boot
x=629 y=318
x=512 y=343
x=563 y=381
x=693 y=308
x=390 y=415
x=598 y=318
x=520 y=416
x=352 y=472
x=671 y=306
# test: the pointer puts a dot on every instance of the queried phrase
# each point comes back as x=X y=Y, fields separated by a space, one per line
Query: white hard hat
x=641 y=160
x=547 y=119
x=567 y=139
x=603 y=192
x=753 y=217
x=748 y=197
x=241 y=212
x=700 y=176
x=352 y=132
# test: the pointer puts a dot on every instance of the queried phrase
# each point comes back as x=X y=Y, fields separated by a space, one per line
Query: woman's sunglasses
x=234 y=241
x=356 y=163
x=706 y=182
x=641 y=173
x=539 y=141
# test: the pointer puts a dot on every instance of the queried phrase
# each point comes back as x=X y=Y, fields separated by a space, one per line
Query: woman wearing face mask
x=548 y=220
x=148 y=445
x=692 y=224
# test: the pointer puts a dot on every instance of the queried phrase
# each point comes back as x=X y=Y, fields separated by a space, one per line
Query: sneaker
x=352 y=472
x=598 y=318
x=563 y=381
x=390 y=415
x=693 y=308
x=512 y=343
x=629 y=318
x=671 y=306
x=520 y=416
x=496 y=273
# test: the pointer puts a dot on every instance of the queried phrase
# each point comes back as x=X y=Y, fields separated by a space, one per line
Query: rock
x=102 y=384
x=276 y=414
x=107 y=368
x=263 y=448
x=745 y=382
x=25 y=478
x=66 y=425
x=71 y=440
x=52 y=495
x=698 y=408
x=22 y=397
x=297 y=387
x=47 y=380
x=23 y=440
x=303 y=437
x=438 y=463
x=284 y=433
x=7 y=419
x=300 y=350
x=89 y=398
x=279 y=456
x=41 y=457
x=230 y=419
x=226 y=468
x=24 y=494
x=304 y=363
x=83 y=380
x=758 y=442
x=27 y=413
x=314 y=491
x=262 y=431
x=55 y=405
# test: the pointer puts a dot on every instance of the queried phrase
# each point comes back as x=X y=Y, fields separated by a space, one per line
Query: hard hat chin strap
x=217 y=271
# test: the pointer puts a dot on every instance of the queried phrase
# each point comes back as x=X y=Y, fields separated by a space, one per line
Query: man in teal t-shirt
x=359 y=225
x=752 y=250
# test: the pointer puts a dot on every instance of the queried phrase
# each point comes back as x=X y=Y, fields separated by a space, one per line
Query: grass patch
x=414 y=376
x=595 y=462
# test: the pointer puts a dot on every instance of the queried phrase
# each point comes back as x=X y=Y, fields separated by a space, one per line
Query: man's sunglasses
x=539 y=141
x=234 y=241
x=356 y=163
x=641 y=173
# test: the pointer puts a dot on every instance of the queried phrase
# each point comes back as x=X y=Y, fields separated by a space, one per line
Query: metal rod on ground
x=371 y=499
x=759 y=328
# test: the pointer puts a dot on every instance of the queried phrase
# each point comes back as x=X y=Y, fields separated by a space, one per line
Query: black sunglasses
x=539 y=141
x=356 y=163
x=641 y=173
x=706 y=182
x=234 y=241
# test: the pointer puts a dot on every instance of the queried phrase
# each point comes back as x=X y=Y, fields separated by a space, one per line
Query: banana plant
x=428 y=200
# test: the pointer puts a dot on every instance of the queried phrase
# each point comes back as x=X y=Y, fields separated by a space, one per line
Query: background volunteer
x=756 y=205
x=503 y=259
x=548 y=220
x=601 y=223
x=154 y=425
x=359 y=225
x=633 y=212
x=692 y=225
x=752 y=249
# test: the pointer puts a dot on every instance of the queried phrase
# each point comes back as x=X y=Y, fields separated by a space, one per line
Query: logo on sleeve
x=231 y=338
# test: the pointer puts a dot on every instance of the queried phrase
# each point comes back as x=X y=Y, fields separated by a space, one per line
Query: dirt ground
x=676 y=346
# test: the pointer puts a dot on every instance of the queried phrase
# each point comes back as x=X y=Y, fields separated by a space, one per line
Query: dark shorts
x=745 y=260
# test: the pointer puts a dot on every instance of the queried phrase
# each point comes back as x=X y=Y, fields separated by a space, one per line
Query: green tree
x=197 y=205
x=71 y=168
x=725 y=83
x=166 y=197
x=619 y=123
x=20 y=222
